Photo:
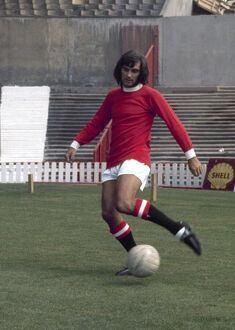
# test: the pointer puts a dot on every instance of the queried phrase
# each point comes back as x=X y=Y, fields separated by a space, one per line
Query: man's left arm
x=179 y=132
x=195 y=166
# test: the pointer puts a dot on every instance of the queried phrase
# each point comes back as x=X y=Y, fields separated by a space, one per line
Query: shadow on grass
x=56 y=270
x=43 y=271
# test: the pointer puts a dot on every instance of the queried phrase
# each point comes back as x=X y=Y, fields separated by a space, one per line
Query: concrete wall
x=193 y=51
x=63 y=51
x=197 y=51
x=55 y=51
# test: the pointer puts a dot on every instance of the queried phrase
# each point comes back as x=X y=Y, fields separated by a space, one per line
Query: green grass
x=58 y=261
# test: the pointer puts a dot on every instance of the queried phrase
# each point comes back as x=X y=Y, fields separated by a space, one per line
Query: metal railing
x=150 y=57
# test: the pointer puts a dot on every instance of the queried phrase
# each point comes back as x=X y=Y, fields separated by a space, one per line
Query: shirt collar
x=132 y=89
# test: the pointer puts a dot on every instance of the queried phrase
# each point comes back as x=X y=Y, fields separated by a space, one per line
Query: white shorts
x=131 y=166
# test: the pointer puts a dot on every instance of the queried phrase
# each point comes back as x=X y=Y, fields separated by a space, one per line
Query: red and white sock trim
x=120 y=231
x=141 y=208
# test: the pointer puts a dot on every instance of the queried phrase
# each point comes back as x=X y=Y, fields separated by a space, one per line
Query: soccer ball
x=143 y=260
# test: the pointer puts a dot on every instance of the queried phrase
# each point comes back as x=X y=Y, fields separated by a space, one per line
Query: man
x=132 y=108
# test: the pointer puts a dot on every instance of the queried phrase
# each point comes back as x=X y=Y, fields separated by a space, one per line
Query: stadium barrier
x=167 y=174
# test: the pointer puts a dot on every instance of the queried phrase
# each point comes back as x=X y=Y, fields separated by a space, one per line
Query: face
x=130 y=75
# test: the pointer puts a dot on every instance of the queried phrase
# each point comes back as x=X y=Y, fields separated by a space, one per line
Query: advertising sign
x=220 y=174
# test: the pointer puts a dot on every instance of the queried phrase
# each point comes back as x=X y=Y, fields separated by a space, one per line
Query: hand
x=70 y=154
x=195 y=166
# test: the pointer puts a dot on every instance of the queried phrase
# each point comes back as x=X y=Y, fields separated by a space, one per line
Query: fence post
x=153 y=187
x=30 y=183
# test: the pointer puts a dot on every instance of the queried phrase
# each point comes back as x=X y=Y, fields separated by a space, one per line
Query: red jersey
x=132 y=115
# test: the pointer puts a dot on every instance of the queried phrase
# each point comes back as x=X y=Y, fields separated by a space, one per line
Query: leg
x=109 y=212
x=126 y=202
x=118 y=227
x=128 y=186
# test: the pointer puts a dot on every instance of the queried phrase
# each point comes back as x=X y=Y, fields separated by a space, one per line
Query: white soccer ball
x=143 y=260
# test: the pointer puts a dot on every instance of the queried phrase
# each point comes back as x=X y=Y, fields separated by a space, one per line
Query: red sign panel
x=220 y=174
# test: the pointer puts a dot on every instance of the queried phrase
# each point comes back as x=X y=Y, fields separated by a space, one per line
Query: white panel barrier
x=176 y=175
x=168 y=174
x=23 y=124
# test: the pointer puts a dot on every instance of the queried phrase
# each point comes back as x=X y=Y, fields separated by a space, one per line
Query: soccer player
x=132 y=108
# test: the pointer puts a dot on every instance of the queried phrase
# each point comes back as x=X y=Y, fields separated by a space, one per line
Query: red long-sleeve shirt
x=132 y=115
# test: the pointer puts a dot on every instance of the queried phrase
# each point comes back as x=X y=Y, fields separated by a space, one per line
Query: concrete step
x=209 y=118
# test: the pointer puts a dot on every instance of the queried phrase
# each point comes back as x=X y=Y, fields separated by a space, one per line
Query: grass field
x=58 y=261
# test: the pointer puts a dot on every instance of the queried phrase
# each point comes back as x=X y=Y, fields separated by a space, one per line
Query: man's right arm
x=71 y=152
x=91 y=130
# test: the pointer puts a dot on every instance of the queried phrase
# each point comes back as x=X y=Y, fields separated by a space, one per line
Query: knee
x=125 y=206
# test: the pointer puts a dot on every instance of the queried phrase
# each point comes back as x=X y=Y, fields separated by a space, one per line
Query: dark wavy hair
x=130 y=58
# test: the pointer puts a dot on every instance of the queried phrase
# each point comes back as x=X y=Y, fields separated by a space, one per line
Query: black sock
x=128 y=242
x=156 y=216
x=122 y=232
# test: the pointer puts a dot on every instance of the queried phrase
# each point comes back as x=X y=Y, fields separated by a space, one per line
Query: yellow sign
x=220 y=175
